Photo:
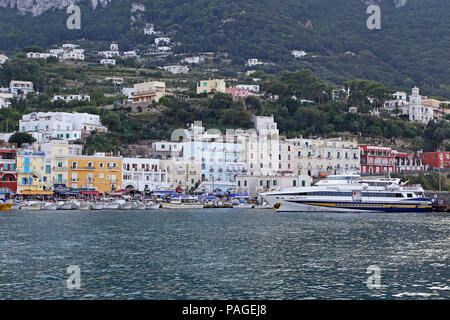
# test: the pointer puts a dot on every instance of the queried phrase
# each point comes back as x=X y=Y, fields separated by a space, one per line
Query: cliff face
x=37 y=7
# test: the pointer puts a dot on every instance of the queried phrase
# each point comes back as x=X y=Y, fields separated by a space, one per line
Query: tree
x=21 y=138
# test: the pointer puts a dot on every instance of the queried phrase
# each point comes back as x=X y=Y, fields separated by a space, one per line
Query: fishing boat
x=351 y=193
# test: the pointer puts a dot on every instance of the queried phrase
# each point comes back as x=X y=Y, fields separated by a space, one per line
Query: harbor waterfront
x=223 y=254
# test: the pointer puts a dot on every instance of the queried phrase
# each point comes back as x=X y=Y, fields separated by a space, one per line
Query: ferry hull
x=317 y=206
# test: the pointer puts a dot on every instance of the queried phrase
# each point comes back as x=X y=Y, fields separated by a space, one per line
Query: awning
x=37 y=192
x=239 y=195
x=67 y=193
x=91 y=193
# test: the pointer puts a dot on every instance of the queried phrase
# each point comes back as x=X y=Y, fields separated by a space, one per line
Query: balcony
x=59 y=168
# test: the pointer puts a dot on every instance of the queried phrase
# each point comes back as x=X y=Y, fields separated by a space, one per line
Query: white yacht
x=344 y=193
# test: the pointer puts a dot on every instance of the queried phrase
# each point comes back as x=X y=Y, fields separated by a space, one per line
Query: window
x=294 y=183
x=245 y=183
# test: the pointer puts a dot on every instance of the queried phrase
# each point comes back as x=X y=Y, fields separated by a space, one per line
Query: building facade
x=317 y=157
x=8 y=168
x=34 y=173
x=100 y=172
x=377 y=160
x=438 y=160
x=211 y=86
x=61 y=125
x=149 y=91
x=143 y=174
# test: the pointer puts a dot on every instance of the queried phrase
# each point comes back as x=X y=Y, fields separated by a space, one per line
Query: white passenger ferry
x=344 y=193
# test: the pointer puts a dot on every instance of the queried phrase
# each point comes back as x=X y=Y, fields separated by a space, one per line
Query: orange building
x=100 y=172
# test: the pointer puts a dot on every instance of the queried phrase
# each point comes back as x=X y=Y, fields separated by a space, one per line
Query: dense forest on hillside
x=410 y=49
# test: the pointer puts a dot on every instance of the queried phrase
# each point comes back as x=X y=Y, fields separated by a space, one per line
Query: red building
x=237 y=93
x=8 y=170
x=377 y=160
x=407 y=162
x=439 y=160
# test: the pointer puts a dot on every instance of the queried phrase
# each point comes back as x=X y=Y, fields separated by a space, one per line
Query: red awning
x=91 y=192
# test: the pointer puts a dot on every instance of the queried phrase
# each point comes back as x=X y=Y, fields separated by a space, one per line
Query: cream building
x=211 y=86
x=317 y=157
x=149 y=91
x=181 y=173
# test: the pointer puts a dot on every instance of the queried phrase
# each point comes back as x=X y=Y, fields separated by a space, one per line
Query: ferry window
x=410 y=195
x=399 y=195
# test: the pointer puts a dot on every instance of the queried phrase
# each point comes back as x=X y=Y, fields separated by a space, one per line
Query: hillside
x=411 y=47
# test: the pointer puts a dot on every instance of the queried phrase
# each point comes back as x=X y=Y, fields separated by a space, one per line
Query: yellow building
x=100 y=172
x=34 y=175
x=149 y=91
x=211 y=86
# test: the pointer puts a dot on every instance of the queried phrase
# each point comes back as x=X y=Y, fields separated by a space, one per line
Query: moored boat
x=350 y=193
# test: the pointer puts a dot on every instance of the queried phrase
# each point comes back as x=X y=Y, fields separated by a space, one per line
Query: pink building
x=237 y=93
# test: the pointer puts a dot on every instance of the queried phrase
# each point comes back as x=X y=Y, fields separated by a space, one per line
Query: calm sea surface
x=223 y=254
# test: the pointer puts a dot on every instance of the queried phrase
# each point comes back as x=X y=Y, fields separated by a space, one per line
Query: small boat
x=126 y=206
x=84 y=206
x=140 y=206
x=31 y=206
x=152 y=206
x=50 y=206
x=66 y=206
x=180 y=204
x=6 y=206
x=111 y=206
x=97 y=206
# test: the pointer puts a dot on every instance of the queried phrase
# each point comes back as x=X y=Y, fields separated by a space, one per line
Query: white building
x=249 y=87
x=108 y=61
x=143 y=174
x=164 y=49
x=58 y=52
x=167 y=149
x=254 y=185
x=130 y=54
x=114 y=80
x=262 y=146
x=221 y=158
x=114 y=47
x=159 y=41
x=194 y=60
x=253 y=62
x=73 y=56
x=38 y=55
x=23 y=87
x=61 y=125
x=68 y=98
x=417 y=111
x=298 y=53
x=69 y=46
x=399 y=101
x=3 y=59
x=177 y=69
x=5 y=98
x=149 y=29
x=109 y=54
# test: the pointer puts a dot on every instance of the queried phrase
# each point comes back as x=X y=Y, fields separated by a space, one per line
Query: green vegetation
x=410 y=49
x=429 y=181
x=21 y=137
